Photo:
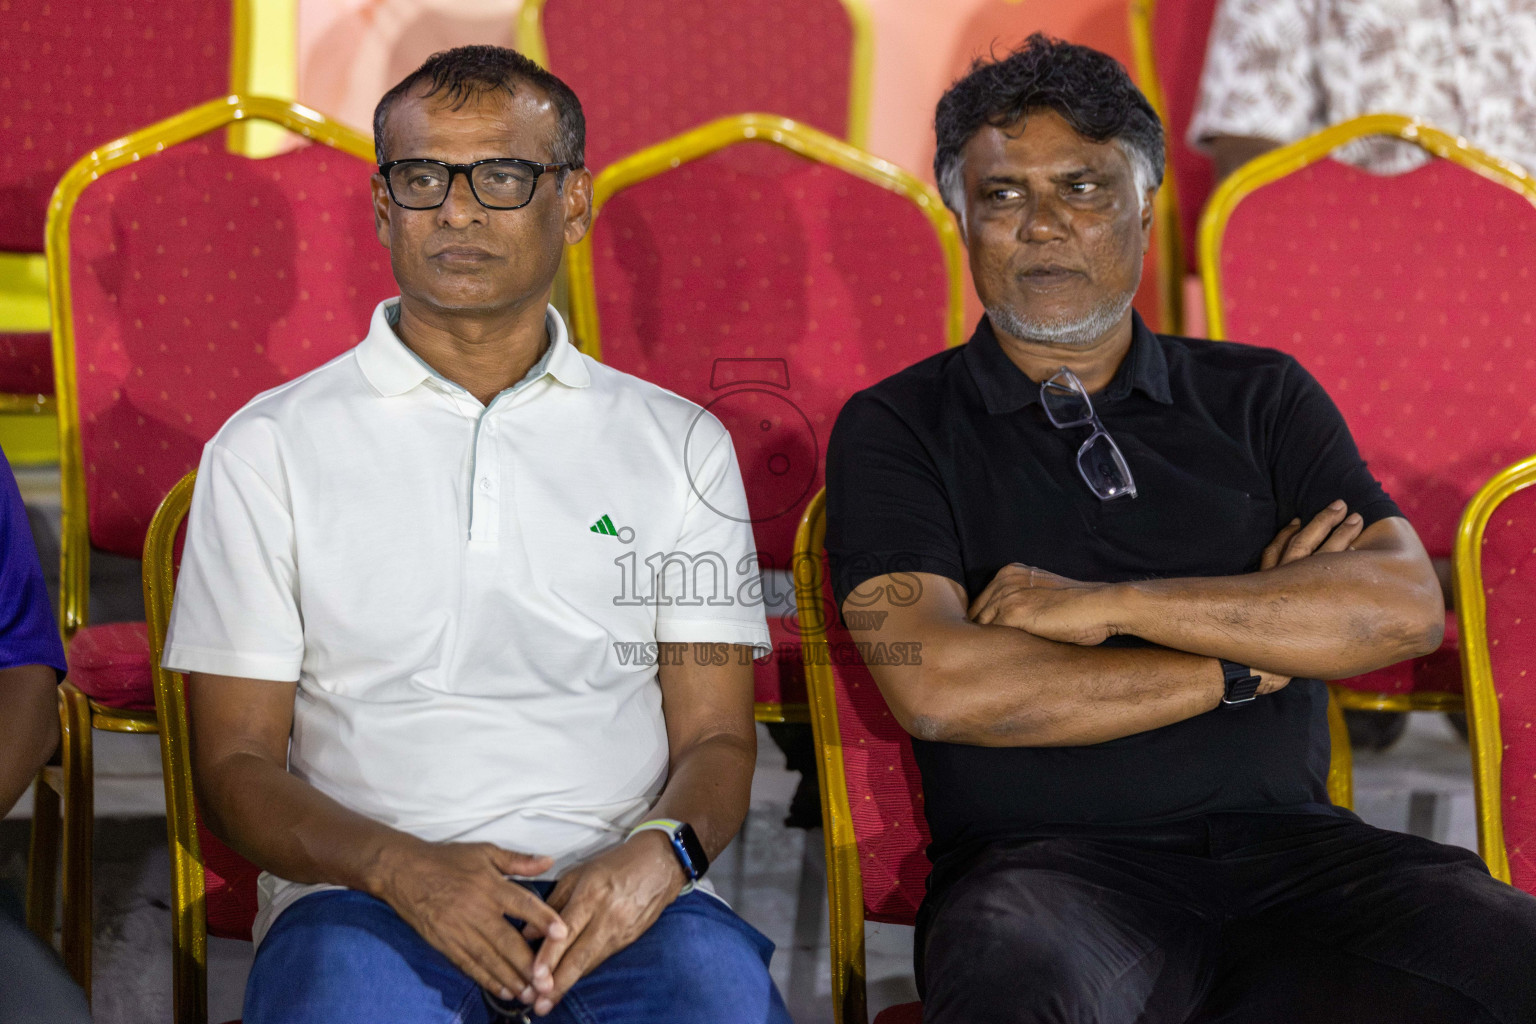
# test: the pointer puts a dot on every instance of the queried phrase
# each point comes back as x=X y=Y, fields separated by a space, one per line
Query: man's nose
x=460 y=205
x=1044 y=220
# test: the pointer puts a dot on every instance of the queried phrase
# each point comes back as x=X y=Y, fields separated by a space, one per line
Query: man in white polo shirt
x=464 y=604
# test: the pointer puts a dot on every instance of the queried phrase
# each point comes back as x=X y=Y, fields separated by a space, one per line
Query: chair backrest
x=213 y=889
x=1168 y=40
x=77 y=74
x=184 y=281
x=871 y=795
x=1409 y=297
x=766 y=271
x=647 y=70
x=1495 y=570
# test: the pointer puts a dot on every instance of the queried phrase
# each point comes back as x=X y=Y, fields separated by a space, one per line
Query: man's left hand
x=1046 y=605
x=607 y=903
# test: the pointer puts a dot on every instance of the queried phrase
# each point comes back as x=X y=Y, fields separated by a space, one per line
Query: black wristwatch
x=1242 y=685
x=685 y=844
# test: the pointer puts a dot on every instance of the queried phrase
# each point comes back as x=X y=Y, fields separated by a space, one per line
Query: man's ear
x=382 y=210
x=1148 y=212
x=577 y=193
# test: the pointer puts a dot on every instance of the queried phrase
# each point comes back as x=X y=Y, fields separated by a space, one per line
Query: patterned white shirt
x=1283 y=69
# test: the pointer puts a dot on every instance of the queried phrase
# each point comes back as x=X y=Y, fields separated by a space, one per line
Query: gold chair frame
x=79 y=715
x=189 y=922
x=531 y=41
x=803 y=141
x=1476 y=664
x=845 y=882
x=1277 y=164
x=24 y=275
x=1166 y=222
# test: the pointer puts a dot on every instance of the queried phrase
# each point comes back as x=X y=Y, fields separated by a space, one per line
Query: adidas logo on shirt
x=605 y=526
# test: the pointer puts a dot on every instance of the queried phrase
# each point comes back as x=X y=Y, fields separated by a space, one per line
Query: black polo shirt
x=951 y=467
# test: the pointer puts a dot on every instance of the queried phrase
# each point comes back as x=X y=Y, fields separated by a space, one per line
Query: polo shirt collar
x=393 y=369
x=1006 y=388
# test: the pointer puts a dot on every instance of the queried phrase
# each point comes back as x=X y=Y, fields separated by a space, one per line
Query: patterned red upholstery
x=647 y=70
x=767 y=288
x=1410 y=298
x=109 y=663
x=885 y=794
x=77 y=73
x=1509 y=585
x=1180 y=29
x=229 y=882
x=905 y=1013
x=26 y=363
x=200 y=278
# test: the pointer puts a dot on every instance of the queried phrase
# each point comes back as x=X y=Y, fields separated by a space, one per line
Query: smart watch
x=685 y=845
x=1241 y=684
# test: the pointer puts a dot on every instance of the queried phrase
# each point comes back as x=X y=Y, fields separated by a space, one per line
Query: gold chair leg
x=43 y=858
x=1341 y=762
x=79 y=831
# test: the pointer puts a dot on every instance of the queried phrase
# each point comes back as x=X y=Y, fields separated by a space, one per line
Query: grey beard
x=1083 y=331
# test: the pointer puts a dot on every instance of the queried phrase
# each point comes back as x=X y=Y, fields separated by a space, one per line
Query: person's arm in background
x=1259 y=86
x=31 y=654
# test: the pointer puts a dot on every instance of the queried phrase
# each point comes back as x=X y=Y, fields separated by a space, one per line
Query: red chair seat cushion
x=229 y=881
x=26 y=364
x=109 y=663
x=1438 y=672
x=904 y=1013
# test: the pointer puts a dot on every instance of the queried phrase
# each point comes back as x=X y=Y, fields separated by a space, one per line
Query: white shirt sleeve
x=236 y=611
x=708 y=588
x=1260 y=78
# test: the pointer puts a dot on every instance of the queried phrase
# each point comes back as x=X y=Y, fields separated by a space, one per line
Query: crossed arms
x=455 y=894
x=1017 y=667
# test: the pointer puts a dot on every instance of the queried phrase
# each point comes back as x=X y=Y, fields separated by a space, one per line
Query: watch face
x=695 y=849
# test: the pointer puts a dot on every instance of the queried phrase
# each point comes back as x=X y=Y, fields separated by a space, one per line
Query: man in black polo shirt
x=1134 y=558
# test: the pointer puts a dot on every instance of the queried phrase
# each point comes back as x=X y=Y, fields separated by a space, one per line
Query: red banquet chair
x=767 y=272
x=1496 y=592
x=1410 y=299
x=647 y=70
x=871 y=795
x=1168 y=39
x=213 y=889
x=76 y=74
x=184 y=280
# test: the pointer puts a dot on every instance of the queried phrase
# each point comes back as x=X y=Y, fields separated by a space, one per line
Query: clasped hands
x=1074 y=612
x=457 y=896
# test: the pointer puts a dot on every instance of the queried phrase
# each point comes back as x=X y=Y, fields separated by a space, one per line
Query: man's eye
x=1003 y=195
x=1083 y=188
x=423 y=181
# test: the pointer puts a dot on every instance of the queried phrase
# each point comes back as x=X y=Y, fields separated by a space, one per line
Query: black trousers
x=1251 y=918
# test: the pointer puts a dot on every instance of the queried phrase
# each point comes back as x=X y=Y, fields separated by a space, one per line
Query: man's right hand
x=1335 y=528
x=458 y=898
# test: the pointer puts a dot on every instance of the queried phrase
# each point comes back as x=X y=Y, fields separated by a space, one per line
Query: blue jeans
x=344 y=956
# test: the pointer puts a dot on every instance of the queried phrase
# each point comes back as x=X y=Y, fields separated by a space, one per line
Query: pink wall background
x=350 y=51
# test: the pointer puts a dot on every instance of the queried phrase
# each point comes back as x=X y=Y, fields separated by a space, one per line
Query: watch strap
x=1240 y=683
x=676 y=836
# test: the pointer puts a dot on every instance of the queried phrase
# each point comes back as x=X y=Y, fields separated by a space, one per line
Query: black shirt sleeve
x=1313 y=458
x=887 y=507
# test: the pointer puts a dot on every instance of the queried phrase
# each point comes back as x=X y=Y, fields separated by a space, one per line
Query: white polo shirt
x=466 y=593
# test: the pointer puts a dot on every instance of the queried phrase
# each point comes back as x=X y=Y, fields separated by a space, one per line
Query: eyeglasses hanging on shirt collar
x=1099 y=461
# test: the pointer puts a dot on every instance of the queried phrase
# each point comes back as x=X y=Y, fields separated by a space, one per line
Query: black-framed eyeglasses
x=501 y=183
x=1099 y=461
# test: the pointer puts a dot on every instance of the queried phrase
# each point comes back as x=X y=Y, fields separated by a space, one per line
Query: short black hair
x=465 y=72
x=1090 y=90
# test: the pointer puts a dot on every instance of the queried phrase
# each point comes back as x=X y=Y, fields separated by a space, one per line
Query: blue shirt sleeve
x=28 y=632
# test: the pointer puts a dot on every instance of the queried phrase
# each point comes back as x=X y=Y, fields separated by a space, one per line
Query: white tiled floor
x=775 y=877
